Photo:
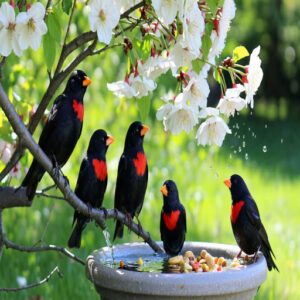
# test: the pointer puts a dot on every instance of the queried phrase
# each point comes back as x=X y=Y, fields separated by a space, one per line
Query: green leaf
x=144 y=107
x=217 y=75
x=49 y=50
x=66 y=6
x=197 y=65
x=239 y=53
x=54 y=27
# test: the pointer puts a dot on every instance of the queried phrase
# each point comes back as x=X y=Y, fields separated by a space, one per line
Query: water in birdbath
x=161 y=263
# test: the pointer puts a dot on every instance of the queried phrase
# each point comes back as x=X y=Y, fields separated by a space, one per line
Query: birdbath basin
x=114 y=284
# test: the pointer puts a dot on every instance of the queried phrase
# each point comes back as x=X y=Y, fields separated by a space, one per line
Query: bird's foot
x=140 y=228
x=239 y=254
x=89 y=206
x=104 y=212
x=67 y=182
x=255 y=257
x=129 y=218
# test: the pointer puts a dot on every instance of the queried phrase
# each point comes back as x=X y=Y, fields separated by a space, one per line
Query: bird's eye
x=137 y=131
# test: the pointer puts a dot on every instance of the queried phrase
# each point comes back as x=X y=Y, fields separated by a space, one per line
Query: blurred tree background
x=262 y=148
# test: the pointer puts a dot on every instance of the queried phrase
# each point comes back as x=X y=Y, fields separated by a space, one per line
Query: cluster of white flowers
x=22 y=31
x=6 y=151
x=189 y=108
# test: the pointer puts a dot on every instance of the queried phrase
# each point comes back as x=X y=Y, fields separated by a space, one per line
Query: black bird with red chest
x=247 y=227
x=172 y=219
x=132 y=176
x=91 y=182
x=62 y=129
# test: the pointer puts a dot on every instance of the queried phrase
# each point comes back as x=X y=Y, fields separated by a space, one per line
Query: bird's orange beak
x=164 y=190
x=227 y=182
x=144 y=130
x=109 y=140
x=87 y=81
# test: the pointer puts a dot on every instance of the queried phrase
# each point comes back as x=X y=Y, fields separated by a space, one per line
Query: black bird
x=132 y=175
x=247 y=227
x=91 y=182
x=62 y=129
x=172 y=219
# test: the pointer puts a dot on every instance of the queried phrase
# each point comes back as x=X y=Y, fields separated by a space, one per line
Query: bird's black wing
x=254 y=218
x=51 y=122
x=121 y=182
x=80 y=185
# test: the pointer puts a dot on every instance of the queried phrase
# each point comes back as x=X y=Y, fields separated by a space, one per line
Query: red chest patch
x=100 y=169
x=79 y=109
x=235 y=210
x=140 y=163
x=170 y=220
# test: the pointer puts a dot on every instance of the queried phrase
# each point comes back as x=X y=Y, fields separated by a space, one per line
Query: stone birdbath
x=114 y=284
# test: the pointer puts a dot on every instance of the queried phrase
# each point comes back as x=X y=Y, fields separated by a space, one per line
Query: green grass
x=272 y=176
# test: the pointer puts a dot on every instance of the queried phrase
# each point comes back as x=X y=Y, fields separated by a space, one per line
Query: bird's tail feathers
x=119 y=230
x=75 y=238
x=32 y=179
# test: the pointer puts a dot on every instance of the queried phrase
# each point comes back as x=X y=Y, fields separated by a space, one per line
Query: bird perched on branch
x=62 y=129
x=91 y=182
x=172 y=219
x=247 y=227
x=132 y=175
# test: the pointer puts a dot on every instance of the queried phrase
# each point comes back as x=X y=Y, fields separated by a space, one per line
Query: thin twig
x=42 y=194
x=22 y=248
x=32 y=285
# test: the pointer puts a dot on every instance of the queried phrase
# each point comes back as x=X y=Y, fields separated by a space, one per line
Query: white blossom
x=232 y=102
x=16 y=171
x=193 y=28
x=31 y=26
x=122 y=89
x=143 y=85
x=182 y=56
x=212 y=131
x=164 y=111
x=197 y=90
x=166 y=10
x=155 y=66
x=218 y=36
x=8 y=31
x=179 y=117
x=5 y=151
x=208 y=112
x=103 y=18
x=254 y=76
x=135 y=86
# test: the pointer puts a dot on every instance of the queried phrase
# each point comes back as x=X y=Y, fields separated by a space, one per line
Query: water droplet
x=243 y=136
x=253 y=134
x=237 y=126
x=230 y=156
x=234 y=151
x=265 y=148
x=239 y=136
x=240 y=149
x=251 y=112
x=246 y=156
x=249 y=129
x=281 y=141
x=244 y=144
x=266 y=126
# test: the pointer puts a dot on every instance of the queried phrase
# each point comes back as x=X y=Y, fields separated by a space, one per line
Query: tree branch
x=98 y=215
x=30 y=286
x=11 y=197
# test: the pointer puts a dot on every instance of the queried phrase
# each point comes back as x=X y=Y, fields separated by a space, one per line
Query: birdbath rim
x=118 y=283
